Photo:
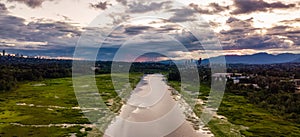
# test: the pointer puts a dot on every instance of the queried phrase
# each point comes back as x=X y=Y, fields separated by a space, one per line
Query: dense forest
x=14 y=70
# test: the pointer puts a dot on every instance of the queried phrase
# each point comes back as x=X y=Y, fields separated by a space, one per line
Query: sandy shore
x=151 y=111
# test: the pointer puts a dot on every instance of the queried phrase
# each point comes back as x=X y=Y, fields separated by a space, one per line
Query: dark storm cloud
x=215 y=8
x=249 y=6
x=30 y=3
x=138 y=7
x=100 y=5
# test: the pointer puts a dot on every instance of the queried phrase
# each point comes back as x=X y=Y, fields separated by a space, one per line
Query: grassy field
x=28 y=110
x=259 y=121
x=244 y=118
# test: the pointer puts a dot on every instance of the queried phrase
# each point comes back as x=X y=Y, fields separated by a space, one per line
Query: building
x=297 y=85
x=297 y=82
x=221 y=76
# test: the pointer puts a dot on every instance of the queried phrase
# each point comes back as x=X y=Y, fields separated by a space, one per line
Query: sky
x=183 y=29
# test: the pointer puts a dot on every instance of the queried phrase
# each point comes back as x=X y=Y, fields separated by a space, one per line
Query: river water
x=151 y=111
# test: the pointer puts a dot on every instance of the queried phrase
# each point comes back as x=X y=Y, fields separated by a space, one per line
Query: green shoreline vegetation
x=48 y=102
x=244 y=118
x=264 y=102
x=33 y=96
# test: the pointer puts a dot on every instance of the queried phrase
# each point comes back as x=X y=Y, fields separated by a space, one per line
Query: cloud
x=153 y=38
x=218 y=8
x=138 y=7
x=168 y=28
x=214 y=8
x=293 y=33
x=242 y=35
x=39 y=35
x=30 y=3
x=2 y=8
x=258 y=43
x=182 y=15
x=100 y=5
x=249 y=6
x=134 y=30
x=286 y=32
x=123 y=2
x=296 y=20
x=238 y=28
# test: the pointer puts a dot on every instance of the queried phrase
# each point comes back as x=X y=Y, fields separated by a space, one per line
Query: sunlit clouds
x=53 y=27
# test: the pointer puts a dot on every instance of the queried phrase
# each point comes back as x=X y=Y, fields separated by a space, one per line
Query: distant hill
x=296 y=60
x=259 y=58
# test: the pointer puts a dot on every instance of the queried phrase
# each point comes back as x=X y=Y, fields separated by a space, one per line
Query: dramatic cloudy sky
x=52 y=27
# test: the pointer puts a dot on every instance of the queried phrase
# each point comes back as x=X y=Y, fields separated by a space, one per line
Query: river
x=151 y=111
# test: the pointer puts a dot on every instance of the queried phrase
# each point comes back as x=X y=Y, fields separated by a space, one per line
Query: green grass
x=16 y=131
x=223 y=128
x=51 y=92
x=204 y=89
x=244 y=118
x=259 y=121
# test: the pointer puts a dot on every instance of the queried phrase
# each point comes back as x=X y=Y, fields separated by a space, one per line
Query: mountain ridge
x=258 y=58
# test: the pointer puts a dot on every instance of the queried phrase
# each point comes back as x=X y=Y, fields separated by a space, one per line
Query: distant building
x=226 y=75
x=199 y=61
x=221 y=76
x=297 y=85
x=236 y=81
x=236 y=78
x=3 y=53
x=297 y=82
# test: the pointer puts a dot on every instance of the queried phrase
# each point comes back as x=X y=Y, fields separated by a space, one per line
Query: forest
x=15 y=70
x=276 y=92
x=13 y=73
